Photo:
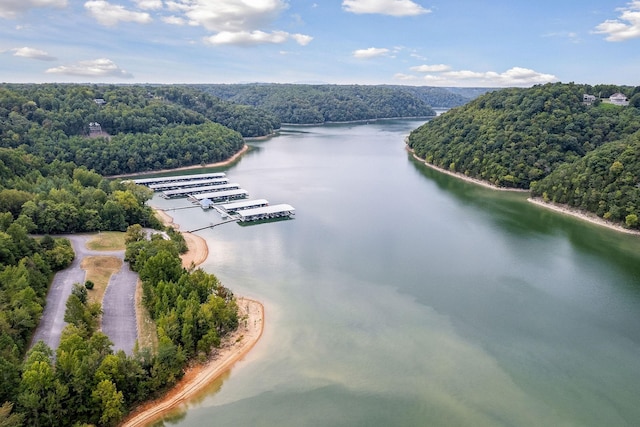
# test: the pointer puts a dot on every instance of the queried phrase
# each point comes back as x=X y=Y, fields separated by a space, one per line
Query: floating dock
x=163 y=186
x=220 y=196
x=185 y=192
x=178 y=178
x=266 y=212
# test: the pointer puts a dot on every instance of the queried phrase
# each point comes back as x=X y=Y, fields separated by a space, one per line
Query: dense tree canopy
x=140 y=128
x=518 y=137
x=314 y=104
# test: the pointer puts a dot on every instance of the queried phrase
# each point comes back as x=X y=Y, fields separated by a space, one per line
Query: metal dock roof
x=185 y=184
x=196 y=190
x=218 y=195
x=176 y=178
x=266 y=211
x=245 y=204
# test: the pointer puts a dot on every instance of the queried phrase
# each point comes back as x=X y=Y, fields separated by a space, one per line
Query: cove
x=402 y=296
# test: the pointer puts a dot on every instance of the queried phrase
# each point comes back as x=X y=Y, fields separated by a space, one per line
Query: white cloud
x=371 y=52
x=516 y=76
x=111 y=14
x=247 y=38
x=93 y=68
x=10 y=9
x=173 y=20
x=229 y=15
x=149 y=4
x=29 y=52
x=626 y=27
x=436 y=68
x=385 y=7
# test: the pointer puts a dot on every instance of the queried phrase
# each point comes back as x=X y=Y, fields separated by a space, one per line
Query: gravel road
x=118 y=305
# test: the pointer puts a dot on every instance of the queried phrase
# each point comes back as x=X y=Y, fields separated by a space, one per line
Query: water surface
x=401 y=296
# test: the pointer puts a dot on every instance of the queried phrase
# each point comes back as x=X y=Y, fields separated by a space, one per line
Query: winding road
x=118 y=304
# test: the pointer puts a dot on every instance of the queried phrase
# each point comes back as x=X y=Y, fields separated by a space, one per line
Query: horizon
x=364 y=42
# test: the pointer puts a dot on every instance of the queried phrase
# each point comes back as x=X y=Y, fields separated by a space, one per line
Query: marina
x=212 y=191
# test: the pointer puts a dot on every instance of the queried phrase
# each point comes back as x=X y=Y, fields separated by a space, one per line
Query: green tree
x=110 y=401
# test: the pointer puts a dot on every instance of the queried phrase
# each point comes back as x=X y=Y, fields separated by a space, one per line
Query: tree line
x=316 y=104
x=545 y=139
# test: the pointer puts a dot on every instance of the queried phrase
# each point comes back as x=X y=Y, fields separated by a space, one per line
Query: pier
x=163 y=186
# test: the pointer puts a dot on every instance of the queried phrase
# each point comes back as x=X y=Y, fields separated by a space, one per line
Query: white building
x=619 y=99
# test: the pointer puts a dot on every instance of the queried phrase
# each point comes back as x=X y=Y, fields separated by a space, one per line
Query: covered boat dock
x=266 y=212
x=178 y=178
x=184 y=192
x=245 y=204
x=220 y=196
x=188 y=184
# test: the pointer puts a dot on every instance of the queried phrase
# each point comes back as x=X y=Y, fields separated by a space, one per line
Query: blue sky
x=493 y=43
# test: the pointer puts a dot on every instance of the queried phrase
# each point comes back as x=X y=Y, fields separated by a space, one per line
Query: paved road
x=119 y=310
x=118 y=305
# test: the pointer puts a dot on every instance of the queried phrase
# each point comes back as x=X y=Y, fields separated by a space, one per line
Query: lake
x=399 y=296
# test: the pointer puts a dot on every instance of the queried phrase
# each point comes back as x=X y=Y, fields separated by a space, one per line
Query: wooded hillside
x=519 y=137
x=315 y=104
x=140 y=128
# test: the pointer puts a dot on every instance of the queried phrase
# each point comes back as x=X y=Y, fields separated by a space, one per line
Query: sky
x=464 y=43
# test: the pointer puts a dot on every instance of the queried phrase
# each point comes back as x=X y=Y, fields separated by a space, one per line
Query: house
x=95 y=128
x=588 y=99
x=619 y=99
x=100 y=101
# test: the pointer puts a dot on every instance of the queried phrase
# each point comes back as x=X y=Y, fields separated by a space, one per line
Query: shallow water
x=401 y=296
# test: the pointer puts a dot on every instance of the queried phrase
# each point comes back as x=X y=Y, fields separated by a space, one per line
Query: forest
x=545 y=139
x=52 y=162
x=142 y=128
x=316 y=104
x=83 y=380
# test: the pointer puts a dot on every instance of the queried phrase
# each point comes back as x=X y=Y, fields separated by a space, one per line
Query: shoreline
x=227 y=162
x=562 y=209
x=463 y=176
x=200 y=375
x=585 y=216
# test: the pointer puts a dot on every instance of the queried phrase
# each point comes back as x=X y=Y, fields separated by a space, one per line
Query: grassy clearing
x=147 y=334
x=107 y=241
x=99 y=269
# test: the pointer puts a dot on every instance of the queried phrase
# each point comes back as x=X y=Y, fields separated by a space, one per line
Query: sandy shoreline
x=563 y=209
x=233 y=349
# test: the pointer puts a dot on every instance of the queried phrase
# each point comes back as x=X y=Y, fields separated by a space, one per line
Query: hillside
x=544 y=138
x=125 y=129
x=316 y=104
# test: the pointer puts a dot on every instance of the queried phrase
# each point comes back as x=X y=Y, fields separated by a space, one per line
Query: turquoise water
x=401 y=296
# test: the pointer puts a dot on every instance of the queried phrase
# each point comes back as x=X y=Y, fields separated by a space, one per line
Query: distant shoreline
x=563 y=209
x=358 y=121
